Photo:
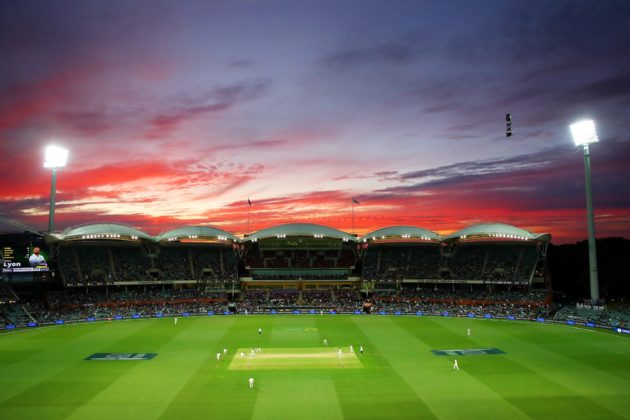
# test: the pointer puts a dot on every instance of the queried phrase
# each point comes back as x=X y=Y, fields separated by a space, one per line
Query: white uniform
x=37 y=260
x=242 y=354
x=224 y=351
x=219 y=356
x=251 y=383
x=361 y=349
x=351 y=349
x=325 y=343
x=259 y=331
x=468 y=331
x=175 y=320
x=455 y=365
x=252 y=353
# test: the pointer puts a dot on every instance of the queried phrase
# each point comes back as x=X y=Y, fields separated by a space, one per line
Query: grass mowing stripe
x=432 y=376
x=47 y=362
x=563 y=354
x=313 y=393
x=82 y=380
x=589 y=357
x=212 y=392
x=377 y=390
x=384 y=335
x=157 y=383
x=535 y=375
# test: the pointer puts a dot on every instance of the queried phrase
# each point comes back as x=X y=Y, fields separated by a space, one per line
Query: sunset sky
x=175 y=112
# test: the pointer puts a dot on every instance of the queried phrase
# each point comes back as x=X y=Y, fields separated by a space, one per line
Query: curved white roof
x=404 y=232
x=102 y=231
x=196 y=232
x=497 y=230
x=300 y=229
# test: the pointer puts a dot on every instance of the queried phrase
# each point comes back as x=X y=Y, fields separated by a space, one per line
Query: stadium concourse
x=105 y=271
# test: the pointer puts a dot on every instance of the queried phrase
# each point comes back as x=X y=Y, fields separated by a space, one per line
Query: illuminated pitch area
x=295 y=358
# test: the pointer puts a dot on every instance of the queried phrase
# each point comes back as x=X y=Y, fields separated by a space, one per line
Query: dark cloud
x=88 y=122
x=401 y=51
x=616 y=86
x=549 y=36
x=216 y=100
x=242 y=63
x=552 y=179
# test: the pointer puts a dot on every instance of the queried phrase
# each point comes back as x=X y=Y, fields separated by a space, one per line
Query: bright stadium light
x=55 y=157
x=584 y=134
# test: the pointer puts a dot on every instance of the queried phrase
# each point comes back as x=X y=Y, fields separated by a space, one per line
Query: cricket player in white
x=259 y=331
x=325 y=343
x=361 y=349
x=219 y=356
x=224 y=351
x=468 y=331
x=175 y=320
x=351 y=349
x=455 y=365
x=251 y=383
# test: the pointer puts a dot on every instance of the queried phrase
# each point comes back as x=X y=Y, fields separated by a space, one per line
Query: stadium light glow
x=584 y=134
x=54 y=157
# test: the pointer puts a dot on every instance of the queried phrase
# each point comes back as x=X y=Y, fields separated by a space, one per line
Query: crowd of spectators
x=343 y=257
x=314 y=297
x=461 y=301
x=6 y=294
x=77 y=305
x=99 y=303
x=596 y=315
x=279 y=298
x=13 y=314
x=470 y=262
x=296 y=275
x=128 y=263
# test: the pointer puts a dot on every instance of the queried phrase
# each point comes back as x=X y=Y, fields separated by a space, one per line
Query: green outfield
x=153 y=369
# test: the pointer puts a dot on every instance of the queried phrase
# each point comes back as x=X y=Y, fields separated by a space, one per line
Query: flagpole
x=353 y=217
x=249 y=208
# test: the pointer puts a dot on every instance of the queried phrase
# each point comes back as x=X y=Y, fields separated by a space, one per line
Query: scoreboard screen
x=23 y=253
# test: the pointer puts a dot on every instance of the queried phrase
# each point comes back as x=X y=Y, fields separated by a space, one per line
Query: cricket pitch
x=294 y=358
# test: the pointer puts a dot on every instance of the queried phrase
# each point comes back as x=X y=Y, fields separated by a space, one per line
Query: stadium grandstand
x=107 y=270
x=108 y=254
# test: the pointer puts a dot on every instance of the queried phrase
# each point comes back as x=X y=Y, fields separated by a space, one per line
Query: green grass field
x=547 y=371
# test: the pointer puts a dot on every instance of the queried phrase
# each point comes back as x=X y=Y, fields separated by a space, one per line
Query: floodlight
x=56 y=157
x=583 y=132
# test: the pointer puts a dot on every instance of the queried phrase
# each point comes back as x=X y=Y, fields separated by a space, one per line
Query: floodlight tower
x=584 y=134
x=55 y=157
